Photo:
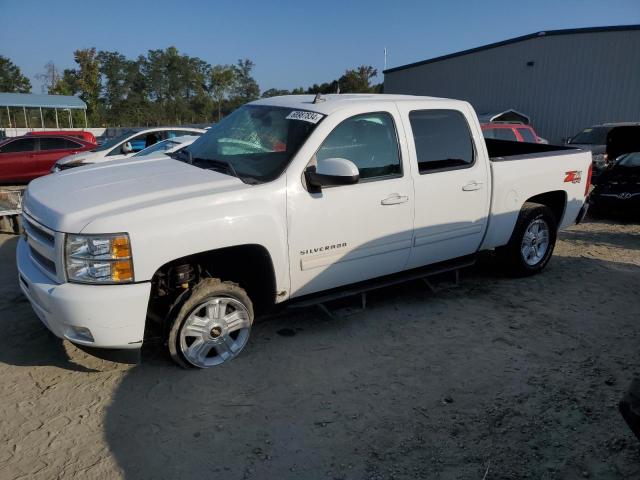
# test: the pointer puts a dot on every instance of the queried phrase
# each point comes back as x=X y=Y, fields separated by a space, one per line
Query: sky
x=292 y=43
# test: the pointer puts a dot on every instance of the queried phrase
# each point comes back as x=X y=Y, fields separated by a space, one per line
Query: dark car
x=24 y=158
x=594 y=139
x=618 y=190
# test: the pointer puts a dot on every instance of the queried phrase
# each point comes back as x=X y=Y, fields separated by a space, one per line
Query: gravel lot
x=496 y=378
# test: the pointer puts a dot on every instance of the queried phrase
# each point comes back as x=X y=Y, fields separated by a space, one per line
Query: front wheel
x=532 y=242
x=212 y=326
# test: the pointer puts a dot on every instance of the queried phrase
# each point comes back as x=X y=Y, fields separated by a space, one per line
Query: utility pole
x=385 y=58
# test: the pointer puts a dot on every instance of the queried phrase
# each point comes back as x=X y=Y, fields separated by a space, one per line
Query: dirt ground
x=498 y=379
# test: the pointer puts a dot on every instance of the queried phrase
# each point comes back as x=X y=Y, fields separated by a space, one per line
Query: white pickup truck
x=287 y=198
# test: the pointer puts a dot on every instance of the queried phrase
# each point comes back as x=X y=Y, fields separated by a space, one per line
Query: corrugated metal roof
x=515 y=40
x=32 y=100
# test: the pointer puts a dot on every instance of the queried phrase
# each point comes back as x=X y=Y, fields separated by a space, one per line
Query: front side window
x=369 y=141
x=254 y=143
x=108 y=144
x=442 y=139
x=21 y=145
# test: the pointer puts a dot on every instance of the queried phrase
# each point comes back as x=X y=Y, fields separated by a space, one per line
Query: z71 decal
x=574 y=176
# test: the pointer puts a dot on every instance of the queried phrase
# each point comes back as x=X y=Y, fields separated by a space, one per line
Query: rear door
x=349 y=233
x=451 y=182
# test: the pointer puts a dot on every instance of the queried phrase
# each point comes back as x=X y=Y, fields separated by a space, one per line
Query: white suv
x=130 y=142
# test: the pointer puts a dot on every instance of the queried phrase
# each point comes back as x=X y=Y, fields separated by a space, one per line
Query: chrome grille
x=42 y=246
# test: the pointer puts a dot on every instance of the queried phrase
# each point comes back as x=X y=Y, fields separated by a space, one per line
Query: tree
x=246 y=89
x=88 y=81
x=274 y=92
x=223 y=78
x=11 y=78
x=67 y=84
x=49 y=77
x=358 y=80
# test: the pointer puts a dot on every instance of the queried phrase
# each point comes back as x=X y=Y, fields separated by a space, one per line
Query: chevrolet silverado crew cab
x=286 y=199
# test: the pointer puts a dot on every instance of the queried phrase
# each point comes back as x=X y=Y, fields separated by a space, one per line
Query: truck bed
x=504 y=150
x=520 y=171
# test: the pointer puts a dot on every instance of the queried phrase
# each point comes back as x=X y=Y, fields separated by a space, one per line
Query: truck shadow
x=25 y=341
x=410 y=383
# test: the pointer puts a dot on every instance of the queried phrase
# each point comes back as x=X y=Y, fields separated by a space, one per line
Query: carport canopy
x=32 y=100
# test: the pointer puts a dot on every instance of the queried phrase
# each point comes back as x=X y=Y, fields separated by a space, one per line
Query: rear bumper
x=94 y=316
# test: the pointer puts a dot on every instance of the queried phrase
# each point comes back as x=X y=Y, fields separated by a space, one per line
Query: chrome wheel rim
x=535 y=242
x=215 y=332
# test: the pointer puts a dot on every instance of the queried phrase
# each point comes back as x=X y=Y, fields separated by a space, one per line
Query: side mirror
x=331 y=172
x=127 y=148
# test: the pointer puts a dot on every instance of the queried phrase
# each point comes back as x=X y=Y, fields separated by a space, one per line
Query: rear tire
x=532 y=241
x=212 y=325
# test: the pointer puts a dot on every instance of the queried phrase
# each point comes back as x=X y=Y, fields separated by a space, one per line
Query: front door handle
x=471 y=186
x=394 y=199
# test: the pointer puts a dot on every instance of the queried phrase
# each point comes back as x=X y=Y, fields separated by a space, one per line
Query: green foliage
x=165 y=86
x=221 y=80
x=11 y=78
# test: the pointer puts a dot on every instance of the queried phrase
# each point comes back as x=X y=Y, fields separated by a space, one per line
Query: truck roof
x=332 y=102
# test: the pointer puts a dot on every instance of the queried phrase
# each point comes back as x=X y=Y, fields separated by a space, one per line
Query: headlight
x=99 y=258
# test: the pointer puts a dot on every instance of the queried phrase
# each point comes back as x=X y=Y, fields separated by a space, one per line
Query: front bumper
x=98 y=316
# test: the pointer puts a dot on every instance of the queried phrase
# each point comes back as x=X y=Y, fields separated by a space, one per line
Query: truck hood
x=68 y=201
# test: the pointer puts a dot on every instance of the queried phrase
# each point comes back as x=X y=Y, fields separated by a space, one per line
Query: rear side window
x=442 y=140
x=369 y=141
x=21 y=145
x=500 y=134
x=527 y=135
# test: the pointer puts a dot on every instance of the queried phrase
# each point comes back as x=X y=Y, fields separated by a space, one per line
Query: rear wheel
x=532 y=242
x=212 y=326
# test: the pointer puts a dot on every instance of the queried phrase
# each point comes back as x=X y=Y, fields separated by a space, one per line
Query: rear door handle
x=394 y=199
x=469 y=187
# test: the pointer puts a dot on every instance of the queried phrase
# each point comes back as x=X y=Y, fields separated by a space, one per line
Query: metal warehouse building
x=564 y=80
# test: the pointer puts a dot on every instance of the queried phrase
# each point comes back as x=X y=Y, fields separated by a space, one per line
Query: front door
x=452 y=189
x=349 y=233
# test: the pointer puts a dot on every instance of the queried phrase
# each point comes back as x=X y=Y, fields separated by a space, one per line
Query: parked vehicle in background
x=286 y=199
x=514 y=132
x=82 y=135
x=594 y=139
x=618 y=189
x=24 y=158
x=125 y=145
x=164 y=148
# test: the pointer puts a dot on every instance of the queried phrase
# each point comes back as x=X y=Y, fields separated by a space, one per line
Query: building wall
x=576 y=80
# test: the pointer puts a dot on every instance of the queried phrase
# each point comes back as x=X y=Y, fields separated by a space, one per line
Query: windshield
x=254 y=143
x=114 y=141
x=631 y=160
x=162 y=146
x=592 y=136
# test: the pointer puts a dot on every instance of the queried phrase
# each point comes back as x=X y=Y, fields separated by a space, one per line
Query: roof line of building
x=546 y=33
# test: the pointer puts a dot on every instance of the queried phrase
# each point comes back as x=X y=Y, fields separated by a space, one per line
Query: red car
x=24 y=158
x=515 y=132
x=86 y=136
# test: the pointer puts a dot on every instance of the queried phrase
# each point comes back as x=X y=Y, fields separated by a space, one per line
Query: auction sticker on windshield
x=311 y=117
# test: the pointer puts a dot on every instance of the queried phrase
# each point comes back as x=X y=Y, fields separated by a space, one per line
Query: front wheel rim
x=535 y=243
x=215 y=332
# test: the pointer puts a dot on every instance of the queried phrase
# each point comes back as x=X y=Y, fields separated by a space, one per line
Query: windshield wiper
x=225 y=164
